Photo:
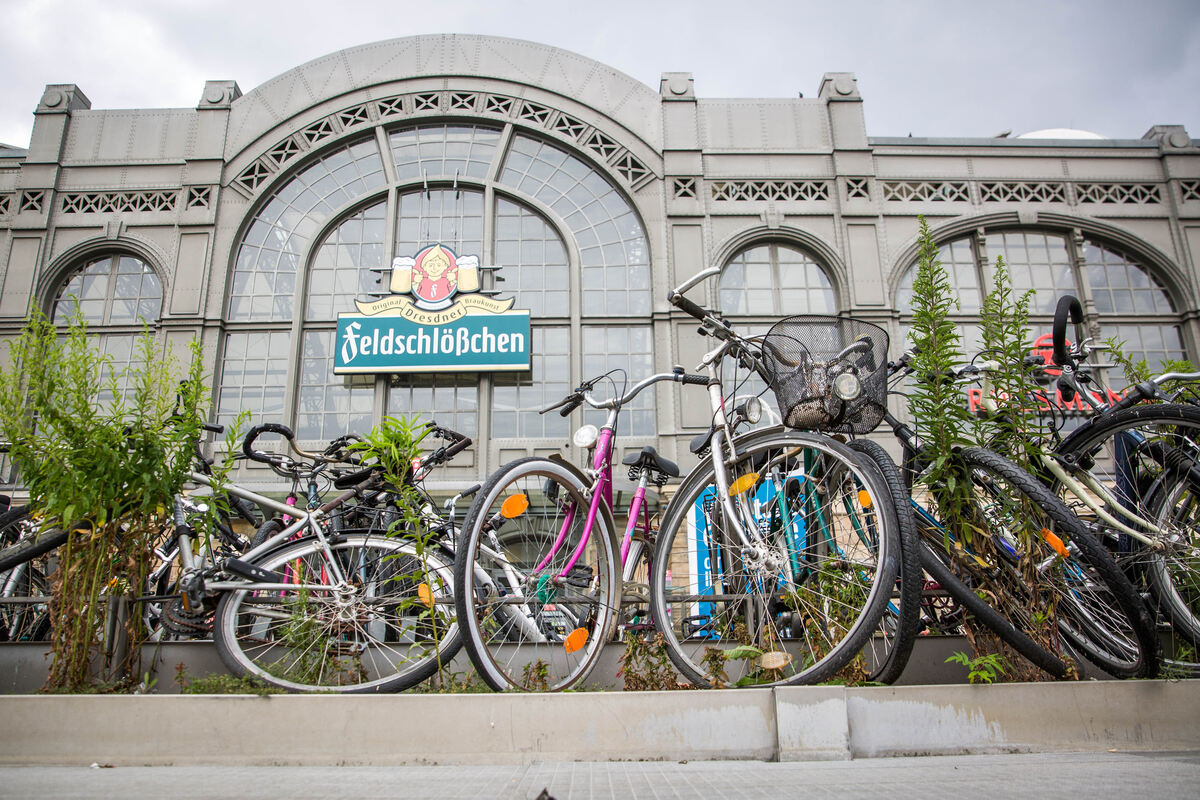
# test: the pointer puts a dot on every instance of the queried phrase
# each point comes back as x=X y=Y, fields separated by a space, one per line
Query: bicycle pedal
x=252 y=573
x=579 y=576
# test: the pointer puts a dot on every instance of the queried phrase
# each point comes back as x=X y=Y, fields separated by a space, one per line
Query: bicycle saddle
x=650 y=459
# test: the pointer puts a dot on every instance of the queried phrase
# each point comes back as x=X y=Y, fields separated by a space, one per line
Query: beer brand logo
x=433 y=319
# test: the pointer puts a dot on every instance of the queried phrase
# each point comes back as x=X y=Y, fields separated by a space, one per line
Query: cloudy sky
x=925 y=67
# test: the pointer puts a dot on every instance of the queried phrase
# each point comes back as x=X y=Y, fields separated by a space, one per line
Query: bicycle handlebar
x=1068 y=305
x=583 y=393
x=683 y=304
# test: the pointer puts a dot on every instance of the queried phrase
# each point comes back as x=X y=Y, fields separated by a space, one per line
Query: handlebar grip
x=566 y=410
x=696 y=380
x=258 y=430
x=472 y=490
x=683 y=304
x=456 y=448
x=213 y=428
x=1067 y=304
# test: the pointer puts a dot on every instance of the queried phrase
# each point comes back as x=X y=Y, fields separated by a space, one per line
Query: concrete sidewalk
x=1096 y=776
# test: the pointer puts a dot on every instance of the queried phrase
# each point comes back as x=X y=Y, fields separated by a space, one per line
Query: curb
x=783 y=724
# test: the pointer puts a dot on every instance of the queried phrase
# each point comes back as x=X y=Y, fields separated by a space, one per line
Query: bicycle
x=538 y=577
x=317 y=608
x=1130 y=472
x=1044 y=576
x=312 y=608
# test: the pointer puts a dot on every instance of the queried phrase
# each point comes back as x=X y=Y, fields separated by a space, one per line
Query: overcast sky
x=924 y=67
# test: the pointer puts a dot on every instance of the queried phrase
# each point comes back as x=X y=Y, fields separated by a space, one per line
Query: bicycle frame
x=1088 y=489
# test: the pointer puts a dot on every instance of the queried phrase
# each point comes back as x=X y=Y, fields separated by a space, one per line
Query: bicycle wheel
x=1145 y=458
x=941 y=567
x=889 y=648
x=24 y=622
x=800 y=603
x=1174 y=574
x=1040 y=552
x=385 y=628
x=537 y=599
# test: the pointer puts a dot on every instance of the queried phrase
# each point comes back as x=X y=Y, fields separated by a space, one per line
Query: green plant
x=535 y=676
x=646 y=665
x=395 y=446
x=222 y=683
x=1019 y=427
x=940 y=418
x=981 y=669
x=102 y=451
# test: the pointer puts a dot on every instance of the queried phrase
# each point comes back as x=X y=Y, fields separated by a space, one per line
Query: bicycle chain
x=181 y=622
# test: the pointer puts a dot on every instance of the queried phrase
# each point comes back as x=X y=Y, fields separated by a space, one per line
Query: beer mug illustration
x=434 y=276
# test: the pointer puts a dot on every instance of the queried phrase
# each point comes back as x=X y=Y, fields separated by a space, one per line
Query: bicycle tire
x=934 y=562
x=529 y=624
x=889 y=649
x=1157 y=447
x=801 y=608
x=1174 y=504
x=1096 y=607
x=382 y=634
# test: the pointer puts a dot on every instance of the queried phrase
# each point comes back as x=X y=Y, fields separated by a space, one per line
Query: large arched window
x=1133 y=306
x=549 y=229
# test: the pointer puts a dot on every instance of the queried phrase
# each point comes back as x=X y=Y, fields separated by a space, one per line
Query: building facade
x=253 y=220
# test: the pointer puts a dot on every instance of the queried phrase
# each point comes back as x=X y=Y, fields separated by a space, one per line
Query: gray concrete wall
x=790 y=724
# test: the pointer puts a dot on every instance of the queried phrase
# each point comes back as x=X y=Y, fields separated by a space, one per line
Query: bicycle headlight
x=586 y=437
x=847 y=386
x=752 y=409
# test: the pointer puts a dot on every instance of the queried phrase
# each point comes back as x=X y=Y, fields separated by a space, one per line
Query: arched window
x=549 y=229
x=775 y=280
x=116 y=289
x=1133 y=306
x=116 y=294
x=769 y=281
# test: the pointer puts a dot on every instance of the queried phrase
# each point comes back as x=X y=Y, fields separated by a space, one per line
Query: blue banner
x=391 y=343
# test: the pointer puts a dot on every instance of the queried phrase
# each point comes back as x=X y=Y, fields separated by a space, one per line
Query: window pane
x=452 y=401
x=958 y=259
x=280 y=233
x=253 y=376
x=775 y=280
x=132 y=295
x=348 y=265
x=441 y=217
x=516 y=397
x=1037 y=261
x=534 y=266
x=1121 y=286
x=627 y=353
x=328 y=405
x=444 y=151
x=611 y=240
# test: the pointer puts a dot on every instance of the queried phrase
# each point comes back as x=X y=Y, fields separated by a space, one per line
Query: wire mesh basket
x=827 y=373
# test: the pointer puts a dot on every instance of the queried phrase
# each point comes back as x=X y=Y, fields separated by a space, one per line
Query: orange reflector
x=575 y=640
x=1055 y=542
x=743 y=484
x=864 y=498
x=425 y=594
x=514 y=506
